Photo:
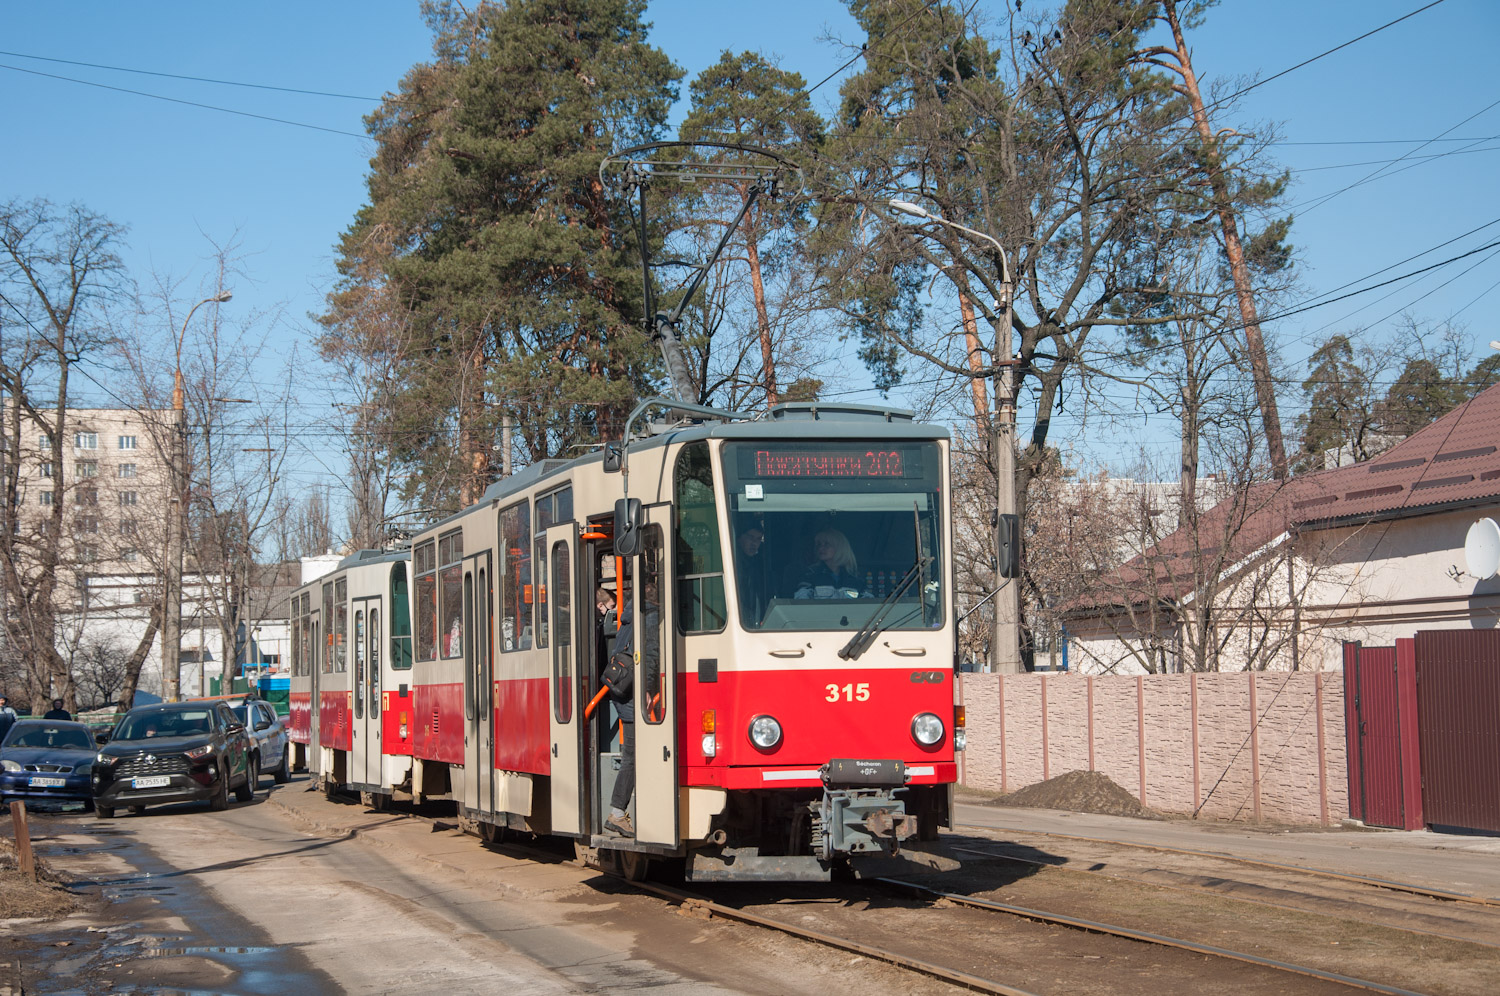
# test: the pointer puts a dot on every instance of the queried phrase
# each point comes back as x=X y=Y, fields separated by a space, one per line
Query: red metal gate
x=1458 y=674
x=1380 y=716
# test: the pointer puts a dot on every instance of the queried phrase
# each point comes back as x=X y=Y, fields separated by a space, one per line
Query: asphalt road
x=292 y=893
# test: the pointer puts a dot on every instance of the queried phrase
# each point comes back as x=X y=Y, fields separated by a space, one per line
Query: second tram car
x=790 y=587
x=352 y=716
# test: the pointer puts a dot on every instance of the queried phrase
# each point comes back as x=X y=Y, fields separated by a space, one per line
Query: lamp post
x=1005 y=642
x=171 y=626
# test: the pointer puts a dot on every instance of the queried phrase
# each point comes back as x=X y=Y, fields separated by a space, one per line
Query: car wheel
x=246 y=792
x=137 y=810
x=220 y=800
x=284 y=773
x=104 y=812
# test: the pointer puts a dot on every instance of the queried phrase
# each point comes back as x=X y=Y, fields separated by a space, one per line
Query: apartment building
x=113 y=484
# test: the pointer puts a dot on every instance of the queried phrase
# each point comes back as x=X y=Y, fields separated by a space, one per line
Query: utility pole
x=1005 y=639
x=171 y=627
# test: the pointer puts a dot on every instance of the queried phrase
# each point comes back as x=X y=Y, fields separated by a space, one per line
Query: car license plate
x=49 y=783
x=150 y=782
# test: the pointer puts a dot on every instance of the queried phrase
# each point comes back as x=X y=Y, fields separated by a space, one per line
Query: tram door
x=315 y=685
x=566 y=613
x=479 y=696
x=366 y=721
x=655 y=687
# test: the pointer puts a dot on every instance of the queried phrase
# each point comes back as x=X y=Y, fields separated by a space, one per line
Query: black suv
x=174 y=752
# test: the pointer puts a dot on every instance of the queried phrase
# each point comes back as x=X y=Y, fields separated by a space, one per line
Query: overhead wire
x=194 y=79
x=1322 y=55
x=188 y=103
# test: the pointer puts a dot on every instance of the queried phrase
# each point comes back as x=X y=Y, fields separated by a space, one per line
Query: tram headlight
x=765 y=732
x=926 y=729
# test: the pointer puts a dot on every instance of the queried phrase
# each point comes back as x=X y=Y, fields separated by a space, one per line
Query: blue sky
x=176 y=173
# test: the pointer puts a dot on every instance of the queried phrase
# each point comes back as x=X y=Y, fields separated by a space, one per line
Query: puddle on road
x=135 y=954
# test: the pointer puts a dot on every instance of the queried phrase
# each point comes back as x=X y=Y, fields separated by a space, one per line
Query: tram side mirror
x=1008 y=544
x=614 y=458
x=627 y=527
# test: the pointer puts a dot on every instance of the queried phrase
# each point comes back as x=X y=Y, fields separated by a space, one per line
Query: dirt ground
x=1078 y=792
x=20 y=897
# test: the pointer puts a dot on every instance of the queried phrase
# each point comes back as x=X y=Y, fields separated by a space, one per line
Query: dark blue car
x=47 y=759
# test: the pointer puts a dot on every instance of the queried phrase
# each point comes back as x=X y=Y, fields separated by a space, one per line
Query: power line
x=1379 y=162
x=195 y=79
x=1318 y=202
x=189 y=103
x=1321 y=55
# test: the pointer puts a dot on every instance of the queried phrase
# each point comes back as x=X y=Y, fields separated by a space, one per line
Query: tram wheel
x=491 y=833
x=633 y=865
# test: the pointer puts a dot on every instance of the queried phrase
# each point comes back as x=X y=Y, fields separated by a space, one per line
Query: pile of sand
x=1079 y=792
x=21 y=897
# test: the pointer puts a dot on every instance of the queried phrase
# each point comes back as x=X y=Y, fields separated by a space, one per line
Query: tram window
x=424 y=560
x=307 y=637
x=562 y=648
x=541 y=594
x=341 y=625
x=699 y=606
x=295 y=633
x=327 y=650
x=359 y=664
x=843 y=527
x=374 y=662
x=553 y=509
x=516 y=594
x=450 y=570
x=648 y=586
x=400 y=621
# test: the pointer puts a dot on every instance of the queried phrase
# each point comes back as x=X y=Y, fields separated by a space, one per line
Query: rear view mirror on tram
x=614 y=458
x=627 y=527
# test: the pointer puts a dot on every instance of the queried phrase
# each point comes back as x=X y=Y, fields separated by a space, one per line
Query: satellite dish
x=1482 y=549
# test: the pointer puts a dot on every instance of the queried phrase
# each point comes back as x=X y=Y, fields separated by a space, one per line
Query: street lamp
x=1005 y=643
x=171 y=627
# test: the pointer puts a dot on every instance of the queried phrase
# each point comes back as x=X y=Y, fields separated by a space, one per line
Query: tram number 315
x=849 y=693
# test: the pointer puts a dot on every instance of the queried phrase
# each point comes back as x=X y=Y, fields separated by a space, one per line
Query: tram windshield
x=826 y=533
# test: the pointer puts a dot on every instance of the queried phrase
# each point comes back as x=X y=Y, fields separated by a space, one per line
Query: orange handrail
x=588 y=710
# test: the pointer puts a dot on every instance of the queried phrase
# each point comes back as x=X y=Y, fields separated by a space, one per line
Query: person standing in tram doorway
x=624 y=650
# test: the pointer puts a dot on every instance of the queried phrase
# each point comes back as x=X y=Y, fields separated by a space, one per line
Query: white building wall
x=1373 y=583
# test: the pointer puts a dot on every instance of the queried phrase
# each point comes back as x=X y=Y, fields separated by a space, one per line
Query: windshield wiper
x=860 y=641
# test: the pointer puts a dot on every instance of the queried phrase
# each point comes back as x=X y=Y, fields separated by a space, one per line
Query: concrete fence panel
x=1245 y=746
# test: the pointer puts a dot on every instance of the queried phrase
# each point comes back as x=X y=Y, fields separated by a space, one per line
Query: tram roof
x=798 y=420
x=364 y=558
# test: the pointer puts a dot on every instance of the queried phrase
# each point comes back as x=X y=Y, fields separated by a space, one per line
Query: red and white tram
x=351 y=706
x=794 y=699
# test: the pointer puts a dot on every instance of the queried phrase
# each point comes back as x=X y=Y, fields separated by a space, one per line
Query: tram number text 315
x=849 y=693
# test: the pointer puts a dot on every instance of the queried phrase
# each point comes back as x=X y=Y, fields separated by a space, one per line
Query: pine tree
x=743 y=99
x=1339 y=410
x=489 y=232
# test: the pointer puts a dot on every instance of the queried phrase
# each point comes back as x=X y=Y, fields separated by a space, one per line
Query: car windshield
x=178 y=723
x=49 y=736
x=242 y=713
x=825 y=532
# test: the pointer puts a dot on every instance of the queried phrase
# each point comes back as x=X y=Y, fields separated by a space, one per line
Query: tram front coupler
x=860 y=812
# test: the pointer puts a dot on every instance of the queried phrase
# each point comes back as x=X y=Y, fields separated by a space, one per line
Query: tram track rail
x=1146 y=937
x=694 y=904
x=1307 y=908
x=702 y=904
x=1379 y=883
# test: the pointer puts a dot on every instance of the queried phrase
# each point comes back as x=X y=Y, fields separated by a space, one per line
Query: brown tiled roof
x=1452 y=461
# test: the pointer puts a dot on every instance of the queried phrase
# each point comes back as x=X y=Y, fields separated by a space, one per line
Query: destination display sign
x=777 y=462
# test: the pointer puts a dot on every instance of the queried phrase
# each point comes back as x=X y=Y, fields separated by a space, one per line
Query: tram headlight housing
x=926 y=729
x=765 y=732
